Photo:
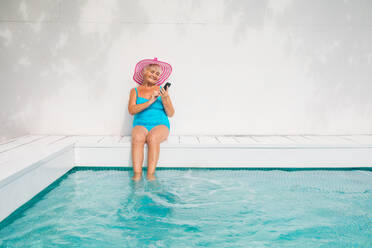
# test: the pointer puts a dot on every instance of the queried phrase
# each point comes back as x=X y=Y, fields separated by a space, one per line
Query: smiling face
x=151 y=74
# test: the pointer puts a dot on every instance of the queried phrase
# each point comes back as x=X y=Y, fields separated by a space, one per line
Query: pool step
x=28 y=165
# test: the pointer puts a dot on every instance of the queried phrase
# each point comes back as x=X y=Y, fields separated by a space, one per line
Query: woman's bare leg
x=157 y=135
x=138 y=141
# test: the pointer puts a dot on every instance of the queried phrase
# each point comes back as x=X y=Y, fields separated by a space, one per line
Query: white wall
x=240 y=66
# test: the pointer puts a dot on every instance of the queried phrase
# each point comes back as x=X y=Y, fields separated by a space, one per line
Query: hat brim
x=165 y=67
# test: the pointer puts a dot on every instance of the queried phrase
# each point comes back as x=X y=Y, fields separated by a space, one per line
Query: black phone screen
x=167 y=85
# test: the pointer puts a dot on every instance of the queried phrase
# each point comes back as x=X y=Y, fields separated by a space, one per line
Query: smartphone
x=167 y=85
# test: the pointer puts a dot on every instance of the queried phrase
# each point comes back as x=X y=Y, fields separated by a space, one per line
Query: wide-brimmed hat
x=165 y=67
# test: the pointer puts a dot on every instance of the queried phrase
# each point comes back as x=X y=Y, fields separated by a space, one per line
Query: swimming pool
x=102 y=207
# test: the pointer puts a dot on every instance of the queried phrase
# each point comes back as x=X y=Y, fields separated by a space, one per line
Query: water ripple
x=191 y=208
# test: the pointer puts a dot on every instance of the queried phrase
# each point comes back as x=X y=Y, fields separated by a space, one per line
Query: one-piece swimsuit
x=152 y=116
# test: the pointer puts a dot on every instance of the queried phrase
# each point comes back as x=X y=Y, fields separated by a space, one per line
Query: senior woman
x=151 y=106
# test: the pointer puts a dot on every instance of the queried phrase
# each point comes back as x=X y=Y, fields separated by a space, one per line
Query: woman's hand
x=164 y=93
x=154 y=96
x=167 y=103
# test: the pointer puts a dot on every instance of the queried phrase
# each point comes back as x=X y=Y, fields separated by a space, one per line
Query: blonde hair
x=151 y=65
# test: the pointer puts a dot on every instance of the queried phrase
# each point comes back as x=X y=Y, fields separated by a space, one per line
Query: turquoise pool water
x=198 y=208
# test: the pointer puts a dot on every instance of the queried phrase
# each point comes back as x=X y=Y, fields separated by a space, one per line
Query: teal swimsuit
x=152 y=116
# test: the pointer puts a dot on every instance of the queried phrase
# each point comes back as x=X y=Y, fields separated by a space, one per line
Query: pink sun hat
x=165 y=67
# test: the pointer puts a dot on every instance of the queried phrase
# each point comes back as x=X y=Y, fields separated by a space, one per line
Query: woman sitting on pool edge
x=151 y=105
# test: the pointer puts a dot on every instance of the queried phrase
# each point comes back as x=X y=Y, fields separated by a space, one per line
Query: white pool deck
x=30 y=163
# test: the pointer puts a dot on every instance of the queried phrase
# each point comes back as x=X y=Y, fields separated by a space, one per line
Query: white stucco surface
x=240 y=67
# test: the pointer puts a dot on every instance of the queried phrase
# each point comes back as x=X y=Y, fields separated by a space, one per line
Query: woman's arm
x=134 y=108
x=167 y=103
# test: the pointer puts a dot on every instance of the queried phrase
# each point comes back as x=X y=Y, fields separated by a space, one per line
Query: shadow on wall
x=56 y=49
x=52 y=49
x=331 y=39
x=245 y=14
x=126 y=127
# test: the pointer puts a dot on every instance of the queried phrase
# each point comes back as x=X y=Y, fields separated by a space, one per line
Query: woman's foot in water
x=137 y=176
x=151 y=177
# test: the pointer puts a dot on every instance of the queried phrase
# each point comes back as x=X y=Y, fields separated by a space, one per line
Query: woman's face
x=151 y=74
